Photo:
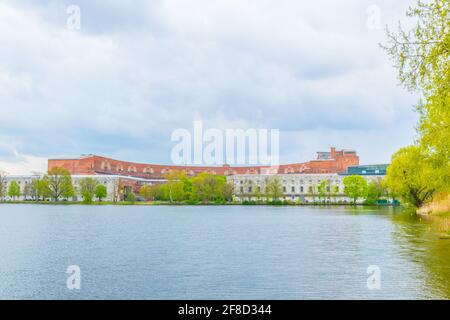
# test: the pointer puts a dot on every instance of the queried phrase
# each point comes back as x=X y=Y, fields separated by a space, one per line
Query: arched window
x=105 y=166
x=148 y=170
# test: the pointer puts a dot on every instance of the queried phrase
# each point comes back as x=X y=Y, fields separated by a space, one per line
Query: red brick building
x=333 y=161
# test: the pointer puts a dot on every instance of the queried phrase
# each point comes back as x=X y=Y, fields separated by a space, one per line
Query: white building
x=115 y=184
x=295 y=187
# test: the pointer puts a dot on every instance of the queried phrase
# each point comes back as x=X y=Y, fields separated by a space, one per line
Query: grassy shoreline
x=166 y=203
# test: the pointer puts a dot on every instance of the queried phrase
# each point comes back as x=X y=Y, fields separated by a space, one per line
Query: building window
x=148 y=170
x=301 y=189
x=284 y=189
x=242 y=189
x=249 y=189
x=293 y=189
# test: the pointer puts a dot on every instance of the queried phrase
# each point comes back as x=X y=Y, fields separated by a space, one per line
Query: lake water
x=220 y=252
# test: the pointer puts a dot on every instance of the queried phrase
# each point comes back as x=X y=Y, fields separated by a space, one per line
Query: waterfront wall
x=333 y=161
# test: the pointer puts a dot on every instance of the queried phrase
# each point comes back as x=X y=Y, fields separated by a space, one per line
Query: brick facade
x=334 y=161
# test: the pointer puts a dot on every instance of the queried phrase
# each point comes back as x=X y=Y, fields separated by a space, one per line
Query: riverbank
x=167 y=203
x=440 y=206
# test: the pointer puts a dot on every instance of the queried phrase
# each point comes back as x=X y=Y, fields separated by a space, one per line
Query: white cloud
x=24 y=165
x=134 y=73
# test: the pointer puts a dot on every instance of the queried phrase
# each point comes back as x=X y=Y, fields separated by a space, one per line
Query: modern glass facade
x=372 y=169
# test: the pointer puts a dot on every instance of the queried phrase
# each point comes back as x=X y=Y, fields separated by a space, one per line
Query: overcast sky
x=137 y=70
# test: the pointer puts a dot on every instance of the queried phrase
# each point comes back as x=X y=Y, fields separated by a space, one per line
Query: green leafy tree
x=145 y=192
x=14 y=190
x=152 y=192
x=175 y=185
x=60 y=184
x=334 y=191
x=228 y=191
x=274 y=189
x=422 y=57
x=421 y=54
x=208 y=187
x=322 y=189
x=173 y=192
x=374 y=193
x=41 y=189
x=130 y=197
x=435 y=137
x=355 y=187
x=87 y=187
x=410 y=176
x=258 y=194
x=101 y=192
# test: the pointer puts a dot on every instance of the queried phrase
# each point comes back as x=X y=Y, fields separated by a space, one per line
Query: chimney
x=333 y=153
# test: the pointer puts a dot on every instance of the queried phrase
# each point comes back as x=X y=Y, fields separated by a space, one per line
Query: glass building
x=371 y=169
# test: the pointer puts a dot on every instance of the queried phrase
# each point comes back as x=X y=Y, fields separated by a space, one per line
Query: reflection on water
x=426 y=241
x=221 y=252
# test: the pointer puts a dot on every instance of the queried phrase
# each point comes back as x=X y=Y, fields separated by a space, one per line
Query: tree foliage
x=410 y=176
x=204 y=187
x=14 y=190
x=130 y=197
x=59 y=183
x=274 y=190
x=422 y=57
x=375 y=191
x=355 y=187
x=41 y=189
x=175 y=186
x=87 y=187
x=421 y=54
x=322 y=189
x=101 y=192
x=152 y=192
x=208 y=187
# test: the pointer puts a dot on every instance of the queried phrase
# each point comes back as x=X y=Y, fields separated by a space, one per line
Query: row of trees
x=56 y=184
x=205 y=188
x=208 y=188
x=355 y=187
x=422 y=56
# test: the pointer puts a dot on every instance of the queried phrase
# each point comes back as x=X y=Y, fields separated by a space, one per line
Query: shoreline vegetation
x=58 y=187
x=419 y=174
x=190 y=203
